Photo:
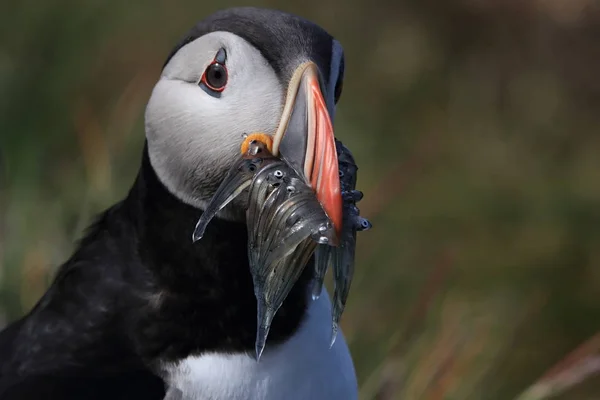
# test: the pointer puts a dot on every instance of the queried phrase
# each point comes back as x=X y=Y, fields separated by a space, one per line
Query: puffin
x=141 y=311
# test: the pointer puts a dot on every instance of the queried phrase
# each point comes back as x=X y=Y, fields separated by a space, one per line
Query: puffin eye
x=215 y=77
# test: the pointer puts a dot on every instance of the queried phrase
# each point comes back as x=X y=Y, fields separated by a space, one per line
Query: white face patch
x=194 y=137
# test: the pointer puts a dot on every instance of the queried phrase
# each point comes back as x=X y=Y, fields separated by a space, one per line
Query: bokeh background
x=476 y=128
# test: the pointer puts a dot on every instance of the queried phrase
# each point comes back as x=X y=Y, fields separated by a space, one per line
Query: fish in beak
x=341 y=257
x=295 y=202
x=285 y=223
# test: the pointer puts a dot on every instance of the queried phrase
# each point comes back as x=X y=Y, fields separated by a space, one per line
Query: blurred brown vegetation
x=476 y=128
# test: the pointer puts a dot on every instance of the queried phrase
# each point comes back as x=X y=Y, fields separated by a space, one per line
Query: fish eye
x=365 y=224
x=215 y=77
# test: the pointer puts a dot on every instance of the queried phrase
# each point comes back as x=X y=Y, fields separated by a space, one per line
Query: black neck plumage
x=137 y=293
x=200 y=294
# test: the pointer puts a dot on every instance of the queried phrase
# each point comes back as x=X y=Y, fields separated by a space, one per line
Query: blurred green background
x=476 y=128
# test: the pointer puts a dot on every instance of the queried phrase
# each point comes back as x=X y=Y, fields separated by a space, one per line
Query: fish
x=286 y=226
x=285 y=223
x=238 y=178
x=341 y=258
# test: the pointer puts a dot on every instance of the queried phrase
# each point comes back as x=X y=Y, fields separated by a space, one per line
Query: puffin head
x=241 y=71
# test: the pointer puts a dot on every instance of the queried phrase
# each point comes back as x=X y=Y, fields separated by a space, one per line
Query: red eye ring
x=215 y=77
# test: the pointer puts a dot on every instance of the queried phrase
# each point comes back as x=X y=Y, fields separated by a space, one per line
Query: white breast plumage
x=302 y=368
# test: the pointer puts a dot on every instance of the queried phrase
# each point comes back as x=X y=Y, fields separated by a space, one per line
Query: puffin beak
x=305 y=140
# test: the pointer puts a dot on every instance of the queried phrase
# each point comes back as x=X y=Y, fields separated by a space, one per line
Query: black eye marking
x=214 y=79
x=221 y=56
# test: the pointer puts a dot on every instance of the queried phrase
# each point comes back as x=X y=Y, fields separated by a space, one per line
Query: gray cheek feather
x=194 y=138
x=187 y=154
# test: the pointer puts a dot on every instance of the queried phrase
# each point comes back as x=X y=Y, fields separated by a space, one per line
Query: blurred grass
x=476 y=129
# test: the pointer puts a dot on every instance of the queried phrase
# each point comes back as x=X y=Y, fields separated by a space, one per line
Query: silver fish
x=282 y=236
x=286 y=223
x=342 y=256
